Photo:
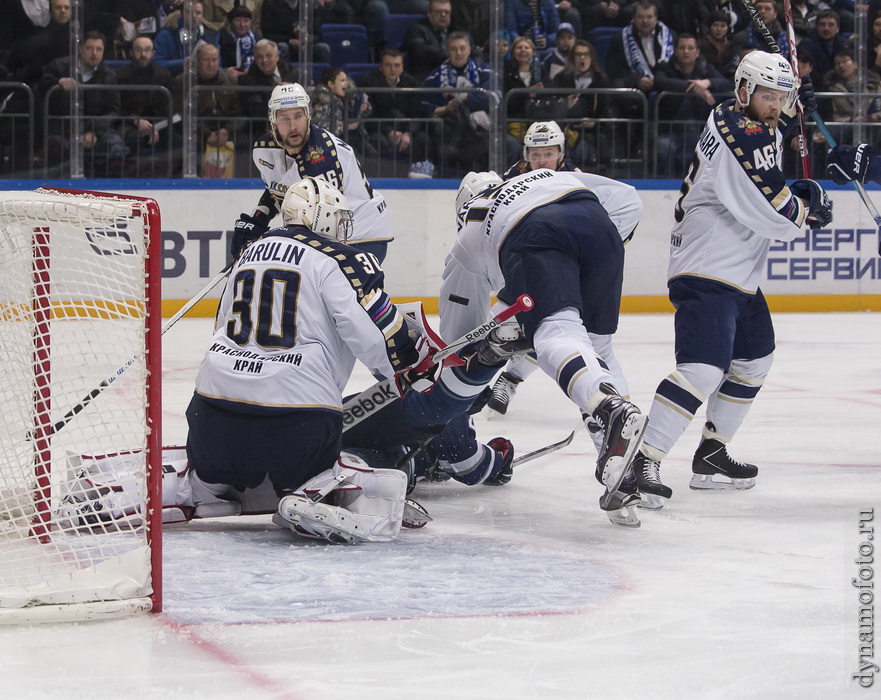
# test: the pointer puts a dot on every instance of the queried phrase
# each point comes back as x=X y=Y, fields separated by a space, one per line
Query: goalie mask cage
x=80 y=437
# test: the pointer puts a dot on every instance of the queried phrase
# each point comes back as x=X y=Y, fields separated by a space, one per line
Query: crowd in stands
x=677 y=58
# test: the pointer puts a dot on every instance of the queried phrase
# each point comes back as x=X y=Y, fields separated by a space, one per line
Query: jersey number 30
x=275 y=307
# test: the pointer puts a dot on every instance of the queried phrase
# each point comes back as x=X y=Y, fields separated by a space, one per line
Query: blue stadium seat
x=356 y=71
x=330 y=28
x=396 y=29
x=317 y=70
x=347 y=47
x=600 y=37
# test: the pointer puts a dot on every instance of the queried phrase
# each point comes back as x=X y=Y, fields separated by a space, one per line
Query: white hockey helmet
x=473 y=184
x=759 y=68
x=320 y=207
x=544 y=134
x=288 y=96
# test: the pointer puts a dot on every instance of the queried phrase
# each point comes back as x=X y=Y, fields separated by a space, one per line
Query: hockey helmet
x=473 y=184
x=759 y=68
x=544 y=134
x=287 y=96
x=320 y=207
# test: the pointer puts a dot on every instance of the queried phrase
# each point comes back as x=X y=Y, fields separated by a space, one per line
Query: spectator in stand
x=738 y=15
x=603 y=13
x=823 y=43
x=535 y=19
x=847 y=107
x=215 y=13
x=754 y=37
x=103 y=145
x=685 y=16
x=22 y=19
x=237 y=42
x=425 y=40
x=170 y=45
x=522 y=70
x=582 y=71
x=472 y=16
x=683 y=116
x=213 y=111
x=144 y=109
x=641 y=45
x=804 y=16
x=268 y=69
x=333 y=92
x=873 y=52
x=28 y=58
x=404 y=139
x=280 y=21
x=717 y=47
x=461 y=139
x=553 y=63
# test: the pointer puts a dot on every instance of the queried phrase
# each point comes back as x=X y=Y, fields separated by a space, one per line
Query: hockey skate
x=648 y=480
x=621 y=505
x=624 y=428
x=503 y=391
x=714 y=470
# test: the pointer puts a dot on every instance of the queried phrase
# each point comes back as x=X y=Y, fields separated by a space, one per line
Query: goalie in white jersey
x=558 y=237
x=298 y=308
x=734 y=202
x=294 y=149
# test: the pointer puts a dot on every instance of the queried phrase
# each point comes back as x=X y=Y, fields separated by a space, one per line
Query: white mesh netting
x=74 y=424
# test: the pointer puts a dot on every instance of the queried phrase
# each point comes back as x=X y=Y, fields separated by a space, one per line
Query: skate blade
x=719 y=482
x=415 y=516
x=616 y=466
x=650 y=501
x=625 y=517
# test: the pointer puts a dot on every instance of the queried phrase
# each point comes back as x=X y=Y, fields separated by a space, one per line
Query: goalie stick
x=363 y=405
x=821 y=125
x=88 y=398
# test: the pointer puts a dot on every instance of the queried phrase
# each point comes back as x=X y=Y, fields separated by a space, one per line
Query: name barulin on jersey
x=272 y=252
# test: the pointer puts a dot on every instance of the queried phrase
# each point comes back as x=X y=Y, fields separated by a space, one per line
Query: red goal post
x=80 y=430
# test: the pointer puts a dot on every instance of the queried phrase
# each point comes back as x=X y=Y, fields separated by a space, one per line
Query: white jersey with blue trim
x=472 y=268
x=326 y=156
x=295 y=313
x=733 y=202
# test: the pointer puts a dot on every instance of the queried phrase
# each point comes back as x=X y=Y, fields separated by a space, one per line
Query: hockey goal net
x=80 y=424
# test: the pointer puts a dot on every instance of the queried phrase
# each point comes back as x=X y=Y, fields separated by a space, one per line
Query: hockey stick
x=87 y=399
x=766 y=33
x=793 y=61
x=363 y=405
x=547 y=449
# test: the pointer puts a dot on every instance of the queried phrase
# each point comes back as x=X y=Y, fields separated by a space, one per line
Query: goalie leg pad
x=350 y=503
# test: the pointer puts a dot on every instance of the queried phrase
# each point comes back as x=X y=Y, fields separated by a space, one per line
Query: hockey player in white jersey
x=294 y=149
x=298 y=308
x=734 y=202
x=557 y=237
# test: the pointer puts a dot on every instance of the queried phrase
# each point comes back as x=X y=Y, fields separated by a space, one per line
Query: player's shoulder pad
x=520 y=167
x=267 y=140
x=361 y=269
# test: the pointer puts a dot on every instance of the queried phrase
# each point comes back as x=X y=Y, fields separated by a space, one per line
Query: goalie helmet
x=762 y=69
x=320 y=207
x=287 y=96
x=542 y=134
x=473 y=184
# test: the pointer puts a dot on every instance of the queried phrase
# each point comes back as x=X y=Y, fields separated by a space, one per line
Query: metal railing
x=17 y=129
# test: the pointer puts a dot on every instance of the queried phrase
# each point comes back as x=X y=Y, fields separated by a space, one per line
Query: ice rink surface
x=527 y=590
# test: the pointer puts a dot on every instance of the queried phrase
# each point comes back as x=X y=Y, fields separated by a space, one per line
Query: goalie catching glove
x=817 y=202
x=247 y=230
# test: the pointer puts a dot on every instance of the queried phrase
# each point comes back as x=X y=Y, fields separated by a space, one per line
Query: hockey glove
x=422 y=372
x=846 y=163
x=806 y=95
x=818 y=204
x=247 y=230
x=503 y=468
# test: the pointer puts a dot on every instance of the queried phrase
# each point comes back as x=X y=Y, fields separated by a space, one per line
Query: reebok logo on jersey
x=269 y=165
